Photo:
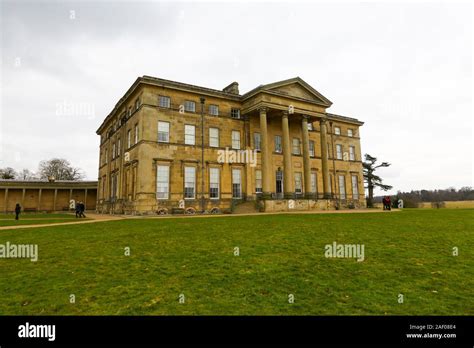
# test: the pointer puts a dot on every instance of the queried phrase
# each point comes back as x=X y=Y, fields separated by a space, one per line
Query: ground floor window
x=279 y=183
x=214 y=183
x=189 y=182
x=355 y=187
x=330 y=188
x=134 y=181
x=127 y=183
x=162 y=182
x=258 y=181
x=104 y=186
x=114 y=189
x=342 y=187
x=298 y=183
x=313 y=183
x=236 y=183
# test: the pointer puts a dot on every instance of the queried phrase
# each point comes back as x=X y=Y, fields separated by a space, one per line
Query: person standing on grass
x=17 y=211
x=78 y=209
x=82 y=208
x=389 y=203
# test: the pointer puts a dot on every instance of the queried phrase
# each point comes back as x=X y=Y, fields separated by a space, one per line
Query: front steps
x=245 y=208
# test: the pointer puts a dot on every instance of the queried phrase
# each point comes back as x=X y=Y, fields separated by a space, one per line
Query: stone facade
x=152 y=159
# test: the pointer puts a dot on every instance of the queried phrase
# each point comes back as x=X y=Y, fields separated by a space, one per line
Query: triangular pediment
x=297 y=88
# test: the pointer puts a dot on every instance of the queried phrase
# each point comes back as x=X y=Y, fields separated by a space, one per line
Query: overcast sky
x=405 y=69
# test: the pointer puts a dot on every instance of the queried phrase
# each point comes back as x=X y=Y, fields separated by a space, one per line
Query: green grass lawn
x=35 y=219
x=407 y=252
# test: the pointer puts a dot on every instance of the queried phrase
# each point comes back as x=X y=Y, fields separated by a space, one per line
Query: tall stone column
x=6 y=200
x=55 y=199
x=265 y=154
x=288 y=183
x=306 y=158
x=40 y=192
x=249 y=170
x=324 y=159
x=23 y=193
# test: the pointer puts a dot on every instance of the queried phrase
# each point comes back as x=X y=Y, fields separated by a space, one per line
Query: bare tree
x=8 y=173
x=59 y=169
x=371 y=179
x=26 y=174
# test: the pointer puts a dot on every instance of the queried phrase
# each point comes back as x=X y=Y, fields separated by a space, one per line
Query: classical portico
x=292 y=106
x=300 y=120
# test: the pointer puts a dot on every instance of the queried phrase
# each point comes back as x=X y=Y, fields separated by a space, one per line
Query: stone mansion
x=162 y=146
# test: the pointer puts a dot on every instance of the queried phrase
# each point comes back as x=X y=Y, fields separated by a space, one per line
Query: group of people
x=80 y=207
x=387 y=203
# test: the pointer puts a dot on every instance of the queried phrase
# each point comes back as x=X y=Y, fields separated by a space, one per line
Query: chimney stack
x=233 y=88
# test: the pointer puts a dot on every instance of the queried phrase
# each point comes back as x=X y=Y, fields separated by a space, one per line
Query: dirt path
x=105 y=217
x=94 y=218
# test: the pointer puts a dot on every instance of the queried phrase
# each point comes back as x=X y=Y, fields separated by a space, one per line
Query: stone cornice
x=343 y=119
x=269 y=106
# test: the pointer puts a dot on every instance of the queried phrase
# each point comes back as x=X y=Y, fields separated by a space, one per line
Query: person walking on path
x=82 y=208
x=17 y=211
x=78 y=210
x=389 y=203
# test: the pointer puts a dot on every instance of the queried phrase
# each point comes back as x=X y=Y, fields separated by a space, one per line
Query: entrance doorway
x=279 y=184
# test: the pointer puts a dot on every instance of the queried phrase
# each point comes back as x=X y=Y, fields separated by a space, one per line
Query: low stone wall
x=282 y=205
x=157 y=207
x=164 y=207
x=447 y=204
